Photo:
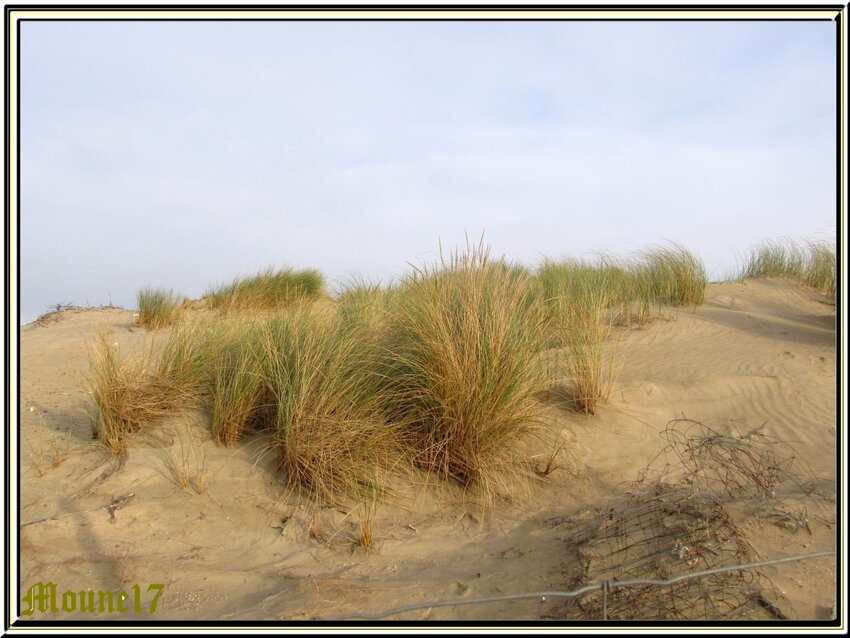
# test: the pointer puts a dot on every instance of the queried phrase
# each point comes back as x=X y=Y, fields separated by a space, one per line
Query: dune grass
x=124 y=392
x=267 y=290
x=584 y=298
x=821 y=267
x=583 y=328
x=774 y=258
x=464 y=340
x=326 y=399
x=237 y=395
x=812 y=263
x=440 y=372
x=675 y=276
x=157 y=308
x=133 y=391
x=577 y=296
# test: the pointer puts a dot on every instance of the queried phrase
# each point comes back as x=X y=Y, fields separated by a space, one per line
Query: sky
x=182 y=155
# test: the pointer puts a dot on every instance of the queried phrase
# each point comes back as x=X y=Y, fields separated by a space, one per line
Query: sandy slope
x=756 y=354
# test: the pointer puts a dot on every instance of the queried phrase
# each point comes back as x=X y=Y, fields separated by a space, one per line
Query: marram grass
x=810 y=262
x=440 y=372
x=326 y=401
x=126 y=396
x=157 y=308
x=465 y=334
x=267 y=290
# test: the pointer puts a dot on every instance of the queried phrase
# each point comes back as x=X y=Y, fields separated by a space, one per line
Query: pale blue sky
x=184 y=154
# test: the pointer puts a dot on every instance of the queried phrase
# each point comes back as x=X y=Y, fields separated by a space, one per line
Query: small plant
x=201 y=482
x=158 y=308
x=315 y=528
x=38 y=459
x=367 y=508
x=186 y=462
x=584 y=331
x=58 y=452
x=582 y=299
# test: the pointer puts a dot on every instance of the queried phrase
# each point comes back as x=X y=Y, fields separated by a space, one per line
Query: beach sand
x=757 y=355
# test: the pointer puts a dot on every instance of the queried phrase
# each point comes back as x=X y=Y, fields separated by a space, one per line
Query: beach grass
x=821 y=267
x=124 y=392
x=440 y=371
x=811 y=262
x=326 y=401
x=464 y=336
x=267 y=290
x=676 y=276
x=158 y=308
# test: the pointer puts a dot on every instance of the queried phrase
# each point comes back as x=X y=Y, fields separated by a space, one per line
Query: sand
x=759 y=354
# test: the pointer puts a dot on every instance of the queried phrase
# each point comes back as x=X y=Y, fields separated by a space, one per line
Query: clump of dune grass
x=675 y=276
x=774 y=258
x=211 y=363
x=326 y=400
x=581 y=300
x=157 y=308
x=187 y=358
x=237 y=398
x=821 y=267
x=267 y=290
x=135 y=390
x=366 y=524
x=464 y=339
x=124 y=392
x=584 y=329
x=812 y=263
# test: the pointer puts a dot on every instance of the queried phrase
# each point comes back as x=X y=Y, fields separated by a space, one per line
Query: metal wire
x=606 y=586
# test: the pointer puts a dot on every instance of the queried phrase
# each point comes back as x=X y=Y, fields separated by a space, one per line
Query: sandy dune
x=759 y=354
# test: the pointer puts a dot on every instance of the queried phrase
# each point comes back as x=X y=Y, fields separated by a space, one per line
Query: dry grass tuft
x=677 y=276
x=464 y=336
x=124 y=392
x=158 y=308
x=810 y=262
x=267 y=290
x=329 y=428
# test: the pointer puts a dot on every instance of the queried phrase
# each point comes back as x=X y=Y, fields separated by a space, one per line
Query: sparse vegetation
x=186 y=461
x=59 y=448
x=584 y=298
x=158 y=308
x=367 y=507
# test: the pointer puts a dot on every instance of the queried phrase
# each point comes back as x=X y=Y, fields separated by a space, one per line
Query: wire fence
x=605 y=586
x=629 y=552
